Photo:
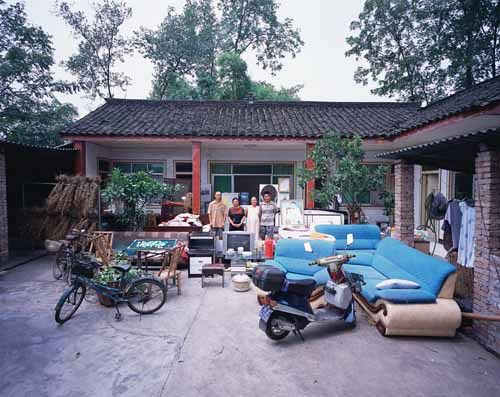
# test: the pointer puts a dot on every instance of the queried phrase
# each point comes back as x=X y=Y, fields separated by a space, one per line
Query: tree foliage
x=198 y=55
x=184 y=46
x=423 y=50
x=339 y=169
x=134 y=191
x=29 y=112
x=254 y=24
x=101 y=46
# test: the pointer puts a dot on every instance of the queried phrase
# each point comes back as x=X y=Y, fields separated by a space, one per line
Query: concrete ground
x=206 y=342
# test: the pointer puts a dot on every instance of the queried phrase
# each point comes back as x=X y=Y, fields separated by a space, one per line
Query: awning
x=456 y=153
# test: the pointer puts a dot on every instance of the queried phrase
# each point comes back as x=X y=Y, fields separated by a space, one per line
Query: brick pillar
x=196 y=159
x=487 y=247
x=310 y=184
x=80 y=160
x=4 y=233
x=404 y=221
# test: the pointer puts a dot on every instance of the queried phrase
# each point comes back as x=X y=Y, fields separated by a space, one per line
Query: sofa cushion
x=406 y=295
x=371 y=294
x=362 y=257
x=365 y=236
x=295 y=249
x=367 y=272
x=297 y=265
x=426 y=270
x=391 y=270
x=320 y=277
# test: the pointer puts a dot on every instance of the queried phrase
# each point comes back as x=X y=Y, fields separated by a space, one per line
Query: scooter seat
x=303 y=287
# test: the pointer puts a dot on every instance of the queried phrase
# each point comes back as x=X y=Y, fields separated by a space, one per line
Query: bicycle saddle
x=123 y=267
x=70 y=237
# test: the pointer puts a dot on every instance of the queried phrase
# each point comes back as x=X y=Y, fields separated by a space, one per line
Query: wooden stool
x=210 y=270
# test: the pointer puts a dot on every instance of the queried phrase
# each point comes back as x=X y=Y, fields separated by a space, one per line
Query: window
x=246 y=177
x=156 y=169
x=183 y=168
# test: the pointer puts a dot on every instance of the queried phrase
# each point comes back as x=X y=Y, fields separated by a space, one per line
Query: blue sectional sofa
x=428 y=310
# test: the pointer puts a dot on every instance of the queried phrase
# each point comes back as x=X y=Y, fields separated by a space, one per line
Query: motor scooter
x=286 y=311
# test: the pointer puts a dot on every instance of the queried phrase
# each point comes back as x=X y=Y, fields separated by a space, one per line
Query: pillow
x=396 y=283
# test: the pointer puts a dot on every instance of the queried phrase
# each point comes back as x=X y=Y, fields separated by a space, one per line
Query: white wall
x=92 y=153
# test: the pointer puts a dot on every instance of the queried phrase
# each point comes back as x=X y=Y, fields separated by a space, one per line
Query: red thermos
x=269 y=248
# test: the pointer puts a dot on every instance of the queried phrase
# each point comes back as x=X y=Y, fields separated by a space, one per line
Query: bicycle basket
x=85 y=269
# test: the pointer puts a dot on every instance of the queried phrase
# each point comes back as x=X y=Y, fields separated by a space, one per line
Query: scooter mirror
x=350 y=239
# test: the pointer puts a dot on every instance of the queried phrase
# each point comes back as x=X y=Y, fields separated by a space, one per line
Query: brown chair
x=169 y=270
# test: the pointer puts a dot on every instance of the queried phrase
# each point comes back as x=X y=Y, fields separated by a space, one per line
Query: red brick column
x=80 y=160
x=4 y=233
x=196 y=158
x=404 y=221
x=487 y=247
x=310 y=184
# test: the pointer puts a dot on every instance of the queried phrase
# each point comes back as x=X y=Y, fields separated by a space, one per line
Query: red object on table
x=269 y=248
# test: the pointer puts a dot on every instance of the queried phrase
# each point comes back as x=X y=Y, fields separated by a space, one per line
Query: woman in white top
x=253 y=218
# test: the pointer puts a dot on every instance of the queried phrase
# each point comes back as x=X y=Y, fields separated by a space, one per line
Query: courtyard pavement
x=206 y=342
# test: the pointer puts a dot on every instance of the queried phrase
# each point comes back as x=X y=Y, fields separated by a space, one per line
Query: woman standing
x=253 y=218
x=236 y=216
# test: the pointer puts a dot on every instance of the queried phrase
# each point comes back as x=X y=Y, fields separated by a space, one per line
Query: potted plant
x=340 y=170
x=132 y=192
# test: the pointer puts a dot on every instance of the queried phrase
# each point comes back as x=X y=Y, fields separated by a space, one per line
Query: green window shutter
x=219 y=168
x=222 y=183
x=282 y=169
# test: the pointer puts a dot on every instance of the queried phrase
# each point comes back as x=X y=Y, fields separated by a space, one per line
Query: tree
x=183 y=47
x=423 y=50
x=254 y=24
x=263 y=91
x=339 y=169
x=234 y=81
x=29 y=112
x=101 y=47
x=42 y=124
x=134 y=191
x=186 y=46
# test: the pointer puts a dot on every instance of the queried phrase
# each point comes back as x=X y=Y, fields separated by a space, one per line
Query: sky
x=327 y=75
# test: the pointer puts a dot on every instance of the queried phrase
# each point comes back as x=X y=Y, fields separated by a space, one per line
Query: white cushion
x=396 y=283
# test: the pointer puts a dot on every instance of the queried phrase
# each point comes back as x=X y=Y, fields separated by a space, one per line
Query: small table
x=210 y=270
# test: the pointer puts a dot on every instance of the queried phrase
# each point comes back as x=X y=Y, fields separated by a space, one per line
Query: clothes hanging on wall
x=467 y=231
x=453 y=222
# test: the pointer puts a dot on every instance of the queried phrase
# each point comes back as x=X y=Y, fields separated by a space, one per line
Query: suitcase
x=268 y=278
x=303 y=287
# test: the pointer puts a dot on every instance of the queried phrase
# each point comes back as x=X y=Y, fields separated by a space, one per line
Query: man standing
x=217 y=213
x=268 y=211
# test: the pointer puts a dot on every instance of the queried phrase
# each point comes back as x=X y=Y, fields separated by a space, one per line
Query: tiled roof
x=264 y=119
x=437 y=153
x=260 y=119
x=61 y=148
x=480 y=95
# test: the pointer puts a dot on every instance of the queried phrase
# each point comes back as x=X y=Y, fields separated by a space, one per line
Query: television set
x=238 y=239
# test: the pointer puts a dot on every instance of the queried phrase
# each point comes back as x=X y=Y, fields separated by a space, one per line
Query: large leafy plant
x=134 y=192
x=339 y=170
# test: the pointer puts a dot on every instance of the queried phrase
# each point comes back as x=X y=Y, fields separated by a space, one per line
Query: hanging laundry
x=467 y=230
x=453 y=218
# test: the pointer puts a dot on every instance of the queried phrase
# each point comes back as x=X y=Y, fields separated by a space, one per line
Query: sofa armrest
x=448 y=289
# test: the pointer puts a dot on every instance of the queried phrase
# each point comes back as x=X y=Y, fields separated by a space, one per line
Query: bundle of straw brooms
x=72 y=204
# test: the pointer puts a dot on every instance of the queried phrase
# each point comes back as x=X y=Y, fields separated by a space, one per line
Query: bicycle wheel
x=146 y=295
x=59 y=265
x=69 y=302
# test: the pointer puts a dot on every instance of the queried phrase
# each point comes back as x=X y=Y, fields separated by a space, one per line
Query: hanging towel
x=454 y=218
x=467 y=230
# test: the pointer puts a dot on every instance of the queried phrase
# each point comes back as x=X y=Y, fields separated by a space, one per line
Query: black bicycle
x=144 y=294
